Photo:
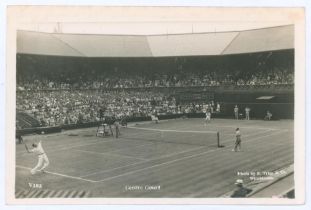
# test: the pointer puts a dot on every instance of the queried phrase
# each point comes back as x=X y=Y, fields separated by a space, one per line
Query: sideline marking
x=247 y=127
x=58 y=174
x=149 y=160
x=66 y=148
x=179 y=159
x=81 y=145
x=108 y=154
x=163 y=156
x=112 y=169
x=142 y=145
x=251 y=134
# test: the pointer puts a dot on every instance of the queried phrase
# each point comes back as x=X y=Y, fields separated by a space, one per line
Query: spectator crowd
x=60 y=90
x=98 y=81
x=53 y=108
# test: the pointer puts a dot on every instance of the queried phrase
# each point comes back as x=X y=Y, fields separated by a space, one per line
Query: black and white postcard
x=155 y=105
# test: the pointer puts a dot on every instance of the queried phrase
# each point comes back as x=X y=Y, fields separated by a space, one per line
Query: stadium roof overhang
x=190 y=44
x=265 y=97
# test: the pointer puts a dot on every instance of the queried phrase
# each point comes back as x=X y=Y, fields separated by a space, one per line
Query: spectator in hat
x=241 y=191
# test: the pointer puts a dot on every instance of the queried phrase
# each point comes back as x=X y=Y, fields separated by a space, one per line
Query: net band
x=177 y=131
x=201 y=138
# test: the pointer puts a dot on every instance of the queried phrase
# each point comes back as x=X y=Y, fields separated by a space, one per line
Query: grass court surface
x=184 y=161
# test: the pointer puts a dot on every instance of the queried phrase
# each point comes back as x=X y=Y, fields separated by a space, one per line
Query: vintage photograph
x=160 y=108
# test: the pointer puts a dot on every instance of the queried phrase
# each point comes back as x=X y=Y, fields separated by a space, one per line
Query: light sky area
x=148 y=21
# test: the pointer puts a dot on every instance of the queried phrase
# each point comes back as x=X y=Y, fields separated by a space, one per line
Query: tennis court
x=175 y=158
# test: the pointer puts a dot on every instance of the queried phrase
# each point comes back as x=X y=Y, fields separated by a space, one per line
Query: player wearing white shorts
x=207 y=117
x=43 y=160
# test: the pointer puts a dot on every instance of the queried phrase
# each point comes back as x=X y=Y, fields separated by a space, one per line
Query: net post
x=218 y=145
x=218 y=140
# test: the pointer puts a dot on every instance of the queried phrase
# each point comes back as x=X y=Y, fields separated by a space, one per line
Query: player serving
x=43 y=160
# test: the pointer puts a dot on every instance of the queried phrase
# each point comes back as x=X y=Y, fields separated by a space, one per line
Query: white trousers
x=43 y=162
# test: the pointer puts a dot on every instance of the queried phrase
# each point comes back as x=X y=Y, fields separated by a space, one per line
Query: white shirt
x=238 y=134
x=38 y=150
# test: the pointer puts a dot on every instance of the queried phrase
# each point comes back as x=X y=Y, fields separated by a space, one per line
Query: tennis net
x=202 y=138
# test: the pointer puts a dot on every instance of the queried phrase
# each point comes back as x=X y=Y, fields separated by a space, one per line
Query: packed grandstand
x=76 y=97
x=57 y=90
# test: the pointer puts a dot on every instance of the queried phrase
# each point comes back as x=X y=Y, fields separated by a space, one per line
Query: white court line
x=137 y=163
x=58 y=174
x=177 y=131
x=177 y=153
x=132 y=124
x=117 y=150
x=248 y=133
x=107 y=154
x=164 y=156
x=243 y=136
x=112 y=169
x=81 y=145
x=246 y=127
x=179 y=159
x=66 y=148
x=131 y=172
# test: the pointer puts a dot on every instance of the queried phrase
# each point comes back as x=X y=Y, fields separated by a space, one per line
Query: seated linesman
x=154 y=118
x=268 y=116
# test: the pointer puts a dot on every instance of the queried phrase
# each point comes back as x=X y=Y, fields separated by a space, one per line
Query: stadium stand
x=253 y=69
x=26 y=121
x=57 y=91
x=135 y=76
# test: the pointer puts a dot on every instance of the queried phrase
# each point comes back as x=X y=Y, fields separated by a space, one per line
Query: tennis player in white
x=207 y=117
x=43 y=160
